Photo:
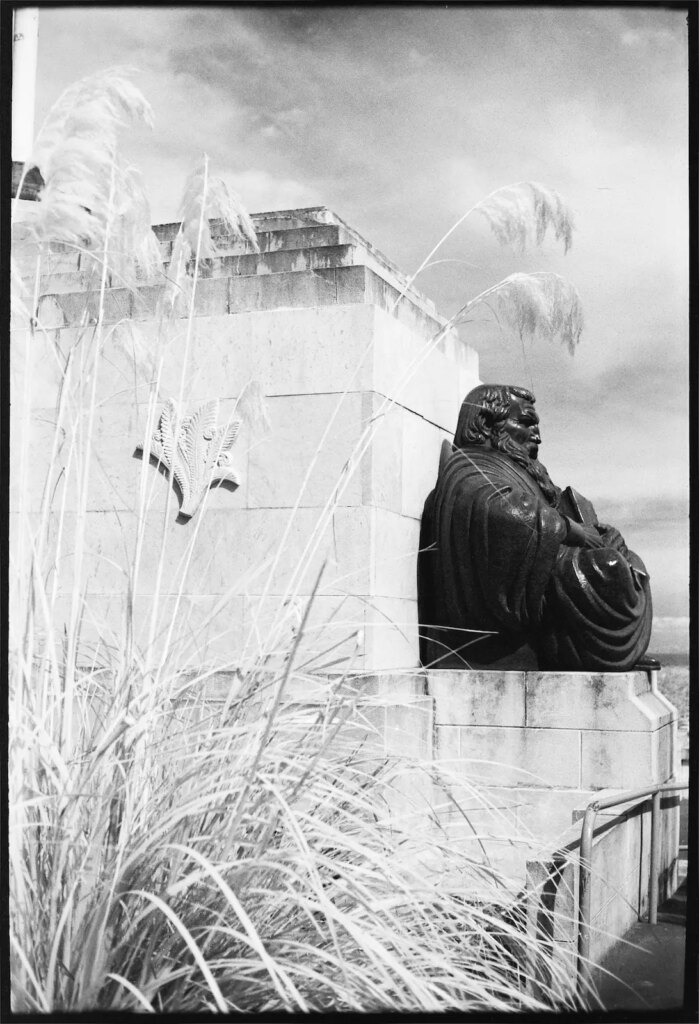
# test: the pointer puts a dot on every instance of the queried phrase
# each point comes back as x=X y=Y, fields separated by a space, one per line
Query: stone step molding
x=297 y=243
x=74 y=273
x=315 y=236
x=226 y=295
x=67 y=274
x=61 y=257
x=292 y=229
x=271 y=220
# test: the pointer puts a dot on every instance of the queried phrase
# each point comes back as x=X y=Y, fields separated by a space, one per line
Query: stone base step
x=297 y=229
x=248 y=264
x=218 y=295
x=292 y=243
x=64 y=278
x=271 y=241
x=273 y=220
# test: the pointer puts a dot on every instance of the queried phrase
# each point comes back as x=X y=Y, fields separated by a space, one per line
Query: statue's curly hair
x=484 y=410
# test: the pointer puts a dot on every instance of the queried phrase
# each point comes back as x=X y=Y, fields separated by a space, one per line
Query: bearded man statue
x=513 y=572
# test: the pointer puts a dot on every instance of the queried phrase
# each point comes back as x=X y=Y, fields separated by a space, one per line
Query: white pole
x=25 y=41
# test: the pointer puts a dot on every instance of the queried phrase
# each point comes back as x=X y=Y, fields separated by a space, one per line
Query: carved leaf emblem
x=195 y=450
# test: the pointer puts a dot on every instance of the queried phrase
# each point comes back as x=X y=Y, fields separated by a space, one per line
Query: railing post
x=585 y=896
x=654 y=856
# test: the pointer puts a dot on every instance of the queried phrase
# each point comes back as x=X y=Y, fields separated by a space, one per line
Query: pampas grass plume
x=520 y=215
x=89 y=198
x=208 y=198
x=543 y=303
x=205 y=198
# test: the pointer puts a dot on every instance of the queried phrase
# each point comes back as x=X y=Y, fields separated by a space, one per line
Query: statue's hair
x=484 y=410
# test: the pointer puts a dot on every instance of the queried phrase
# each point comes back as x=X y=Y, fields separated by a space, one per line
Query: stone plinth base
x=523 y=752
x=540 y=744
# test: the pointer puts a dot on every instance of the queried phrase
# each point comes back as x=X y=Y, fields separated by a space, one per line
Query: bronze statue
x=506 y=553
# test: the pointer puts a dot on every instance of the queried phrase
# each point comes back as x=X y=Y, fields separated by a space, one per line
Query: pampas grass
x=522 y=214
x=542 y=304
x=533 y=305
x=205 y=198
x=209 y=198
x=187 y=855
x=90 y=199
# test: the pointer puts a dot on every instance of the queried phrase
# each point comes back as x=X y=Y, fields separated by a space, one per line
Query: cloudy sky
x=401 y=118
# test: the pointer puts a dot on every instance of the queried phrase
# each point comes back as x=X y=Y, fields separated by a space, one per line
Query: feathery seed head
x=89 y=198
x=544 y=304
x=521 y=214
x=207 y=198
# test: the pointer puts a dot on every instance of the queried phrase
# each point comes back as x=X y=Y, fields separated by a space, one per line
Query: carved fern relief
x=195 y=450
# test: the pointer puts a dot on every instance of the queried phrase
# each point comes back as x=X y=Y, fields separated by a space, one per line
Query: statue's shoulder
x=476 y=472
x=446 y=452
x=472 y=473
x=476 y=460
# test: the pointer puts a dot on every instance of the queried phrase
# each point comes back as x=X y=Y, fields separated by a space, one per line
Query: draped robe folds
x=493 y=558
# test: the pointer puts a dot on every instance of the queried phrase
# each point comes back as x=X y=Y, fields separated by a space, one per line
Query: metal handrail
x=586 y=837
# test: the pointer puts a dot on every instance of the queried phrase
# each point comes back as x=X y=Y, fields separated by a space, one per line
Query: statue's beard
x=519 y=453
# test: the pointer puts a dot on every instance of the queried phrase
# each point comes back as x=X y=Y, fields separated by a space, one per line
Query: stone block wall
x=317 y=319
x=540 y=743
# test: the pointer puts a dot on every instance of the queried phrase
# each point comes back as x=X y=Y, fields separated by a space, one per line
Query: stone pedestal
x=317 y=319
x=541 y=744
x=524 y=752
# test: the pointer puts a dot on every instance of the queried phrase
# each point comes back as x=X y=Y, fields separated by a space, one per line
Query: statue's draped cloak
x=494 y=558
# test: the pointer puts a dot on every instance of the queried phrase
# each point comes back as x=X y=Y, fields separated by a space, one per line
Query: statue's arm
x=581 y=536
x=584 y=529
x=613 y=539
x=598 y=536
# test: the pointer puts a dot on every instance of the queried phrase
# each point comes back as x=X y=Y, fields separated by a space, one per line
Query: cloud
x=654 y=511
x=263 y=191
x=644 y=38
x=416 y=59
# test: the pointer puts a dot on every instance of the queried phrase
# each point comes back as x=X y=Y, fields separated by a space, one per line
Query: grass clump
x=236 y=855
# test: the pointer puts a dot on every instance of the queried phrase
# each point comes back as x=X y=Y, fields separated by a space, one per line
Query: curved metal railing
x=586 y=837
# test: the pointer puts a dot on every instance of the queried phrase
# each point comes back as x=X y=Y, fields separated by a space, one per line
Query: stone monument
x=513 y=572
x=339 y=340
